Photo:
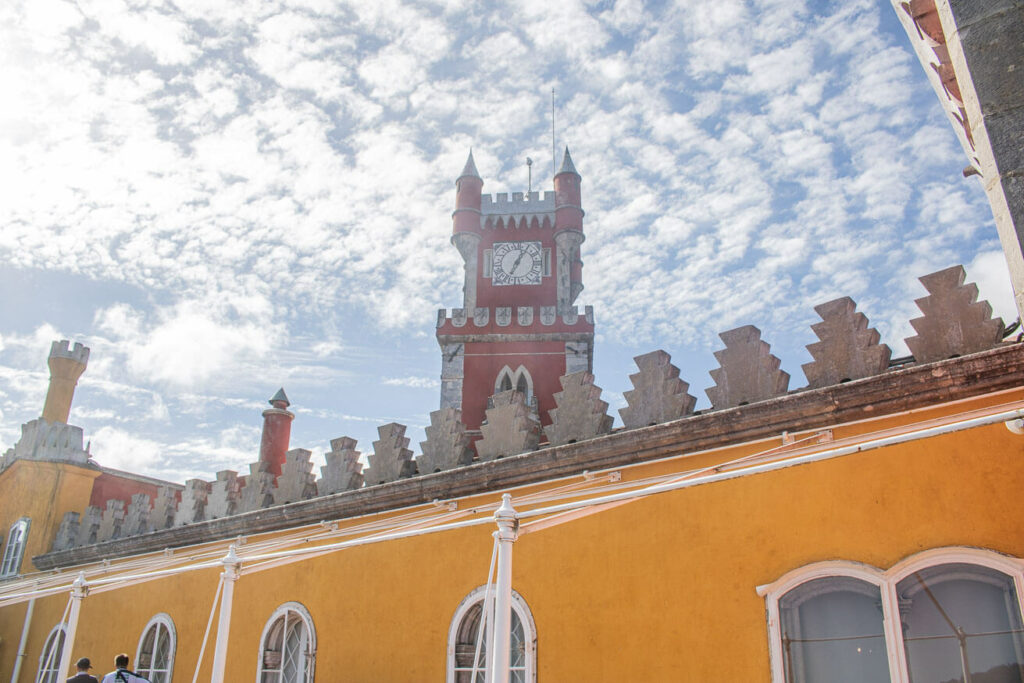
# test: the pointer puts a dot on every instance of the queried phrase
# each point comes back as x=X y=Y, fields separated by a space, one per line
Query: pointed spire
x=567 y=165
x=280 y=397
x=470 y=168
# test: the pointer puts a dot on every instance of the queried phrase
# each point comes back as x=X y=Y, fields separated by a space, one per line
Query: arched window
x=466 y=629
x=961 y=618
x=520 y=380
x=944 y=615
x=16 y=537
x=288 y=646
x=49 y=660
x=505 y=383
x=154 y=657
x=832 y=630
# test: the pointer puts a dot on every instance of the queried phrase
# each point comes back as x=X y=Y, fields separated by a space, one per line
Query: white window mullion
x=893 y=623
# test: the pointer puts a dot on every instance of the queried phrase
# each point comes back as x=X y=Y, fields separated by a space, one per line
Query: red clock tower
x=518 y=327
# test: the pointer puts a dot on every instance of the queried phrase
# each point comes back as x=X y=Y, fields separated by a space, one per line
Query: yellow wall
x=43 y=492
x=661 y=589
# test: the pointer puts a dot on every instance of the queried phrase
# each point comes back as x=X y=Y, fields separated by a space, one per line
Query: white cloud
x=273 y=192
x=990 y=272
x=413 y=382
x=187 y=345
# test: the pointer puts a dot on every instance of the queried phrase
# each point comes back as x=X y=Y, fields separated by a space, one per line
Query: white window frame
x=522 y=610
x=53 y=673
x=14 y=551
x=488 y=262
x=300 y=610
x=161 y=619
x=886 y=582
x=546 y=270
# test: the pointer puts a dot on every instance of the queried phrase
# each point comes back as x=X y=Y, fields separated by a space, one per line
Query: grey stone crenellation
x=509 y=316
x=847 y=349
x=747 y=371
x=499 y=204
x=509 y=428
x=48 y=441
x=953 y=323
x=391 y=458
x=64 y=349
x=580 y=413
x=658 y=395
x=448 y=444
x=343 y=471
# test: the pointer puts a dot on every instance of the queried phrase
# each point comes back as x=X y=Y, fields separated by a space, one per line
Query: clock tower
x=518 y=327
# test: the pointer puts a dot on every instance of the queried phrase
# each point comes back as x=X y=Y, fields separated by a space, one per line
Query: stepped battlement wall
x=851 y=377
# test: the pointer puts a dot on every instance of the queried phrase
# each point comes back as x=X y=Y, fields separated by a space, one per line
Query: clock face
x=517 y=263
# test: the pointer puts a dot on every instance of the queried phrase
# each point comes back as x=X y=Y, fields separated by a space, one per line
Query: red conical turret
x=568 y=231
x=468 y=187
x=277 y=432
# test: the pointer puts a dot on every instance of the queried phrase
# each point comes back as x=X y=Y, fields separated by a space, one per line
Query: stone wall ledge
x=915 y=386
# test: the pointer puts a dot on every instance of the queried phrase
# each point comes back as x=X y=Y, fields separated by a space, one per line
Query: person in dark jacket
x=82 y=666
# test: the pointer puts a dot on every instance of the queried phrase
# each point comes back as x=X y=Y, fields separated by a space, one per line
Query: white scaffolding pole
x=79 y=589
x=232 y=569
x=508 y=525
x=24 y=640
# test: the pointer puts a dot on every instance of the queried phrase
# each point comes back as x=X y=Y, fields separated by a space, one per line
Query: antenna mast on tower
x=554 y=168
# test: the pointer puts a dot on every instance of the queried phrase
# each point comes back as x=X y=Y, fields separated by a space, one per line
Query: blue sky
x=221 y=199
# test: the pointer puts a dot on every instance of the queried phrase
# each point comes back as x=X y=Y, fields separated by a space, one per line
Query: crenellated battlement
x=53 y=441
x=851 y=369
x=64 y=349
x=500 y=212
x=521 y=203
x=515 y=317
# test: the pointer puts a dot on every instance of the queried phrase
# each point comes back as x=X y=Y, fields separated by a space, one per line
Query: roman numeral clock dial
x=517 y=263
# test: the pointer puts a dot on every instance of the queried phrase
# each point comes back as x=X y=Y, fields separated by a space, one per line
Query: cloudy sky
x=224 y=198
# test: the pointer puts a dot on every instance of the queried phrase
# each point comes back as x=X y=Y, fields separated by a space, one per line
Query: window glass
x=155 y=657
x=11 y=564
x=466 y=646
x=832 y=632
x=961 y=623
x=49 y=661
x=287 y=652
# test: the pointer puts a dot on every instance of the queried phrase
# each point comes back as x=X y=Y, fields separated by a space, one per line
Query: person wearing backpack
x=121 y=674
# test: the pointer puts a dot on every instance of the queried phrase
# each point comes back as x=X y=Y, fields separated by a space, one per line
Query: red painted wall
x=544 y=294
x=545 y=362
x=110 y=486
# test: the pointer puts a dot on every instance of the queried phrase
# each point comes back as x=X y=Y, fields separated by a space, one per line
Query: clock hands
x=515 y=265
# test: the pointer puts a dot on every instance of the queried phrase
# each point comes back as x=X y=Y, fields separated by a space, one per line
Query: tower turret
x=518 y=328
x=466 y=227
x=67 y=364
x=277 y=432
x=568 y=233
